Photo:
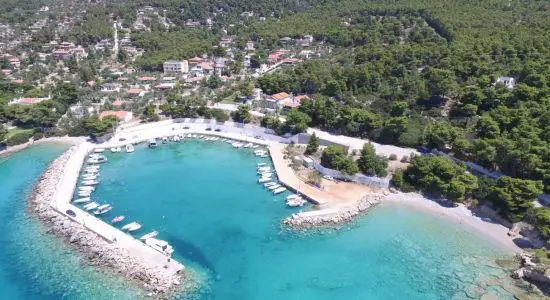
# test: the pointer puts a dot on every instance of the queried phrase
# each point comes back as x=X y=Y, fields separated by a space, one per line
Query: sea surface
x=204 y=200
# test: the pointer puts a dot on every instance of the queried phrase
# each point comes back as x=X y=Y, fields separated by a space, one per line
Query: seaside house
x=122 y=115
x=275 y=101
x=135 y=92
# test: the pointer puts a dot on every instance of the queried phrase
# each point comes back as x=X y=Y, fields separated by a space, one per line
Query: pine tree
x=312 y=145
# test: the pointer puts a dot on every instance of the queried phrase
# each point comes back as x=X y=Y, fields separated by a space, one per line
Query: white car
x=328 y=177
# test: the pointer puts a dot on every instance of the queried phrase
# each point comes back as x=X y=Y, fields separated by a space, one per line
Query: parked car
x=208 y=129
x=217 y=129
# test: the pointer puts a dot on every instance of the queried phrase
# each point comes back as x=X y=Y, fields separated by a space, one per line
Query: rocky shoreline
x=335 y=216
x=96 y=250
x=536 y=274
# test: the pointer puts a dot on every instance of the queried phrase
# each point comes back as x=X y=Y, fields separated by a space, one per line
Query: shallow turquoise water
x=203 y=199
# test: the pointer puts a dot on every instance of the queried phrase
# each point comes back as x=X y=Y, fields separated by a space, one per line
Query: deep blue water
x=203 y=199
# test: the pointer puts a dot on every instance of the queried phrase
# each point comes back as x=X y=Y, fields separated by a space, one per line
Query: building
x=28 y=101
x=509 y=82
x=175 y=66
x=122 y=115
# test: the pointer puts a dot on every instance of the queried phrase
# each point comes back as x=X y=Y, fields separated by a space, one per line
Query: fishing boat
x=82 y=200
x=264 y=179
x=176 y=138
x=272 y=187
x=116 y=149
x=84 y=193
x=151 y=234
x=152 y=143
x=102 y=209
x=99 y=150
x=129 y=148
x=270 y=183
x=279 y=190
x=159 y=245
x=90 y=206
x=118 y=219
x=295 y=202
x=131 y=226
x=90 y=182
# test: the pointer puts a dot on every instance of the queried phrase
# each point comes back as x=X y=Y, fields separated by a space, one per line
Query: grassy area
x=229 y=100
x=14 y=131
x=541 y=256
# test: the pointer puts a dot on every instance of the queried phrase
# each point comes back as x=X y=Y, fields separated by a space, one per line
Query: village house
x=176 y=66
x=122 y=115
x=28 y=101
x=79 y=111
x=509 y=82
x=110 y=88
x=135 y=92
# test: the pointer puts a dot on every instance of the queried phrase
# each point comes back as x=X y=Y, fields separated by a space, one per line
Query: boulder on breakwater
x=96 y=250
x=332 y=216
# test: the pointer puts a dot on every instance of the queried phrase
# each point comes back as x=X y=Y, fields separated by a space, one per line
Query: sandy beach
x=496 y=233
x=56 y=139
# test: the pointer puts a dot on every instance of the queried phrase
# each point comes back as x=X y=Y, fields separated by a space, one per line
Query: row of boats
x=89 y=181
x=266 y=174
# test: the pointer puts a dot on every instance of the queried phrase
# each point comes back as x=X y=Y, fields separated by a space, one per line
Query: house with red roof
x=146 y=78
x=118 y=102
x=122 y=115
x=135 y=92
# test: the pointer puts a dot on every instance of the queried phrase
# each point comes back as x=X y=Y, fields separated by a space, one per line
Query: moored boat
x=118 y=219
x=82 y=200
x=90 y=182
x=129 y=148
x=103 y=209
x=272 y=187
x=99 y=150
x=295 y=202
x=90 y=206
x=116 y=149
x=279 y=190
x=151 y=234
x=164 y=140
x=152 y=143
x=264 y=179
x=261 y=164
x=176 y=138
x=131 y=226
x=270 y=183
x=159 y=245
x=84 y=193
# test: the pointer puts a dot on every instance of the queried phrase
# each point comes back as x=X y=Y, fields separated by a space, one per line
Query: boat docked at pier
x=279 y=190
x=131 y=226
x=264 y=179
x=84 y=193
x=176 y=138
x=103 y=209
x=237 y=145
x=272 y=187
x=268 y=184
x=82 y=200
x=90 y=206
x=99 y=150
x=116 y=149
x=129 y=148
x=152 y=143
x=160 y=245
x=98 y=159
x=90 y=182
x=295 y=201
x=151 y=234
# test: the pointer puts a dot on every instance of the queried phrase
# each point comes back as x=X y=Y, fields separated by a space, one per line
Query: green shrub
x=20 y=138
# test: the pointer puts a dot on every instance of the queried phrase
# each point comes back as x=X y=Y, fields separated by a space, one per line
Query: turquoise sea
x=204 y=200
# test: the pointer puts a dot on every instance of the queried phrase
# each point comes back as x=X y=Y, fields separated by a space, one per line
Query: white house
x=175 y=66
x=509 y=82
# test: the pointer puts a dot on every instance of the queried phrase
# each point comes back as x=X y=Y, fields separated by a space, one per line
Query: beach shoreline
x=68 y=140
x=496 y=233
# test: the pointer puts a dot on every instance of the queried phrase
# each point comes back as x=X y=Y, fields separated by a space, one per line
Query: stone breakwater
x=344 y=214
x=96 y=250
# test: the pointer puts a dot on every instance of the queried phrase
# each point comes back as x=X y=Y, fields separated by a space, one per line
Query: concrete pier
x=61 y=202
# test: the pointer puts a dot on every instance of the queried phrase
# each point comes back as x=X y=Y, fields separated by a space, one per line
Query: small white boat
x=189 y=135
x=102 y=209
x=152 y=143
x=260 y=152
x=159 y=245
x=117 y=219
x=90 y=182
x=295 y=202
x=293 y=196
x=132 y=226
x=194 y=136
x=264 y=179
x=263 y=155
x=86 y=188
x=164 y=140
x=129 y=148
x=201 y=136
x=90 y=206
x=266 y=173
x=82 y=200
x=237 y=145
x=279 y=190
x=98 y=160
x=176 y=138
x=264 y=169
x=99 y=150
x=151 y=234
x=116 y=149
x=270 y=183
x=255 y=146
x=261 y=165
x=248 y=145
x=272 y=187
x=84 y=193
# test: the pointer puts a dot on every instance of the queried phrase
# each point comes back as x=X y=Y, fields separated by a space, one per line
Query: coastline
x=96 y=250
x=69 y=140
x=496 y=233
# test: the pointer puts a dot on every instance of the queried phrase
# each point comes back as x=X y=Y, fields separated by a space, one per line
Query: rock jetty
x=332 y=216
x=96 y=250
